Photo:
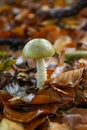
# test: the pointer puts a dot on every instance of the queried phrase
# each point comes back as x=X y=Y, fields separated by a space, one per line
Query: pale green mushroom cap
x=38 y=48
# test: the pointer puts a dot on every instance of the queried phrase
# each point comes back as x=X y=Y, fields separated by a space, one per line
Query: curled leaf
x=68 y=77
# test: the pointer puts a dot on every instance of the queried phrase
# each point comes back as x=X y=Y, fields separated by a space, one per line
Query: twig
x=12 y=42
x=66 y=12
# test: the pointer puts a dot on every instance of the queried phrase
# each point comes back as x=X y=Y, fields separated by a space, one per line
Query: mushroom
x=39 y=49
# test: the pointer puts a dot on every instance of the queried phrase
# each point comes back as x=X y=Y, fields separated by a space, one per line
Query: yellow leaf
x=7 y=124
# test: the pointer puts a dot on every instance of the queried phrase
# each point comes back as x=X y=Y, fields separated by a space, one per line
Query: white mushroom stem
x=41 y=73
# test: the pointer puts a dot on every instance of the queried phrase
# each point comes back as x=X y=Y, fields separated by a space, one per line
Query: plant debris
x=61 y=104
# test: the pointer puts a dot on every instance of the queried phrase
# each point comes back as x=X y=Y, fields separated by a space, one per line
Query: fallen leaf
x=7 y=124
x=57 y=126
x=21 y=116
x=68 y=77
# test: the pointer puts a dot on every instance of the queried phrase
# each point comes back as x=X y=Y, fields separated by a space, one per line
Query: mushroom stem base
x=41 y=73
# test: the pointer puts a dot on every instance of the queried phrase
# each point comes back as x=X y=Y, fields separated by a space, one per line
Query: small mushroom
x=39 y=49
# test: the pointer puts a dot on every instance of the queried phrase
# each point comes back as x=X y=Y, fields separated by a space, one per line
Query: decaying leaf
x=62 y=103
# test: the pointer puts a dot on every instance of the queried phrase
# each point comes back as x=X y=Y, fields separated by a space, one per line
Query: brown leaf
x=34 y=124
x=46 y=96
x=51 y=95
x=81 y=127
x=20 y=116
x=68 y=77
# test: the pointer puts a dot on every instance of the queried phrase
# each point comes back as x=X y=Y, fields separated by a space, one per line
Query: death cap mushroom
x=38 y=48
